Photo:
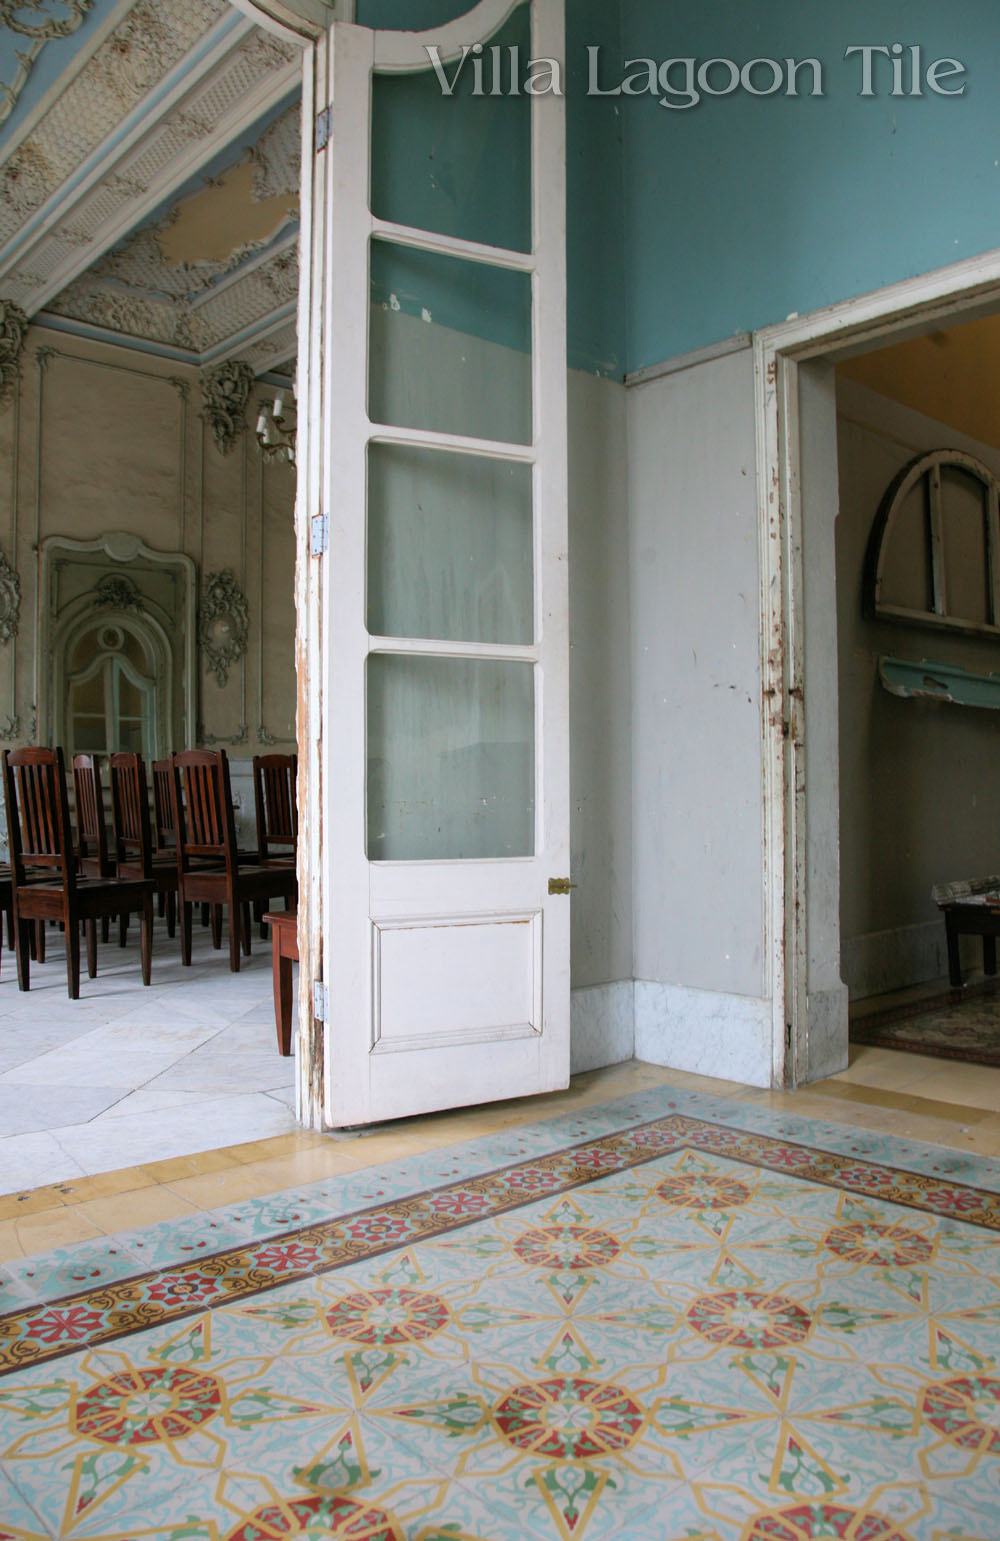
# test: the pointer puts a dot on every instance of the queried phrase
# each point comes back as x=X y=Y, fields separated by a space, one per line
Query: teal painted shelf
x=939 y=682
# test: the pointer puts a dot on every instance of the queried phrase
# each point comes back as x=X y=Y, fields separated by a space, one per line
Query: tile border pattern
x=41 y=1332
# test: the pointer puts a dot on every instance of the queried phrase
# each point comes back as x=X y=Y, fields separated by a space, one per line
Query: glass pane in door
x=459 y=163
x=450 y=758
x=449 y=546
x=449 y=345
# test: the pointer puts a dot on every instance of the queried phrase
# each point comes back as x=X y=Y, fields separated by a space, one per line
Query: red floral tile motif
x=569 y=1418
x=882 y=1246
x=37 y=1334
x=966 y=1411
x=141 y=1407
x=567 y=1247
x=749 y=1319
x=329 y=1518
x=834 y=1522
x=387 y=1316
x=703 y=1190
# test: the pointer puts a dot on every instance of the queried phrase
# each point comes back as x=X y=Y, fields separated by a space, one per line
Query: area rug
x=683 y=1326
x=961 y=1024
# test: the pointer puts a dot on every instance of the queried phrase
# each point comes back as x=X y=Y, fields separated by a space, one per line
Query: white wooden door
x=444 y=756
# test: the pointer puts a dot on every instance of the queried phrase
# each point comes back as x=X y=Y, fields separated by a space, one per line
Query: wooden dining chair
x=164 y=834
x=208 y=867
x=274 y=794
x=46 y=882
x=93 y=857
x=132 y=835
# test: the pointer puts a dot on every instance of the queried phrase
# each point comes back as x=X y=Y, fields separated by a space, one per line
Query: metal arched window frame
x=928 y=468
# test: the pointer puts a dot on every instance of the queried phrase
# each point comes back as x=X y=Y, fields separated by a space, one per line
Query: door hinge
x=319 y=1000
x=319 y=534
x=560 y=885
x=324 y=123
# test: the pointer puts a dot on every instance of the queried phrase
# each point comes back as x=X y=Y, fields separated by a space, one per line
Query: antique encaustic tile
x=674 y=1327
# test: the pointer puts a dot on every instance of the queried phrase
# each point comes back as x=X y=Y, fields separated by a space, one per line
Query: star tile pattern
x=679 y=1330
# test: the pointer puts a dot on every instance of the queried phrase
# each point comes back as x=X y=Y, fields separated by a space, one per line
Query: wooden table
x=284 y=952
x=971 y=908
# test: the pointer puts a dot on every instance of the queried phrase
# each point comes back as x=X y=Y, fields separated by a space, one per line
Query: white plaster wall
x=917 y=777
x=600 y=723
x=696 y=722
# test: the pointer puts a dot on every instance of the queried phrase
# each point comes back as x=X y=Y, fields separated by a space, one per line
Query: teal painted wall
x=451 y=164
x=740 y=210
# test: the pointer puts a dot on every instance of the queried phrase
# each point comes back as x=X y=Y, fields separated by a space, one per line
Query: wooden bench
x=284 y=926
x=970 y=908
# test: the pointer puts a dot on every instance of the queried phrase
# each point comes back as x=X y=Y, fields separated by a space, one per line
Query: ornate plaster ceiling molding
x=223 y=624
x=209 y=319
x=227 y=390
x=38 y=25
x=161 y=115
x=13 y=330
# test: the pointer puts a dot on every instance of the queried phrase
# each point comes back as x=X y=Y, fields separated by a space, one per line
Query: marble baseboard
x=881 y=961
x=602 y=1025
x=707 y=1032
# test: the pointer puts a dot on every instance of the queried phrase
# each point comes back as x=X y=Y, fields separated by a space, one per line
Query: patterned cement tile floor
x=673 y=1315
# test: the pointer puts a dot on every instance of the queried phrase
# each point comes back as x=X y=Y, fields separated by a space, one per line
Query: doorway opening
x=874 y=791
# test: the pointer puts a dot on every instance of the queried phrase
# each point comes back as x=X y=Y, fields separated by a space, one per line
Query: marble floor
x=126 y=1074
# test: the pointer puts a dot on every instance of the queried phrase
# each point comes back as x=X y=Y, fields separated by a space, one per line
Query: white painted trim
x=680 y=361
x=699 y=1030
x=908 y=307
x=407 y=51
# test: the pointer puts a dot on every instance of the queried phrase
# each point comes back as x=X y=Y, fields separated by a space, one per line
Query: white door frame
x=786 y=416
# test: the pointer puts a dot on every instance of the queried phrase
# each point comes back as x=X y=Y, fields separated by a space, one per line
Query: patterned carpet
x=960 y=1024
x=670 y=1317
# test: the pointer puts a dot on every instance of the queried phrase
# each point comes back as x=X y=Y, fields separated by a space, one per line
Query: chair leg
x=161 y=905
x=123 y=928
x=186 y=934
x=92 y=948
x=73 y=960
x=216 y=926
x=246 y=926
x=171 y=899
x=235 y=926
x=10 y=928
x=39 y=941
x=954 y=961
x=23 y=944
x=146 y=939
x=105 y=927
x=204 y=914
x=989 y=954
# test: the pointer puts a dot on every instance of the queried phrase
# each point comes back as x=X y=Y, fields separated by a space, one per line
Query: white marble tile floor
x=127 y=1075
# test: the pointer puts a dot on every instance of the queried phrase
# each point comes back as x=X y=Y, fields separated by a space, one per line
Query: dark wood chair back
x=202 y=802
x=38 y=825
x=274 y=792
x=44 y=870
x=164 y=834
x=130 y=824
x=92 y=854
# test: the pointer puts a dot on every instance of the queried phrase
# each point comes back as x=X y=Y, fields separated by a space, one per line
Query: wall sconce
x=276 y=425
